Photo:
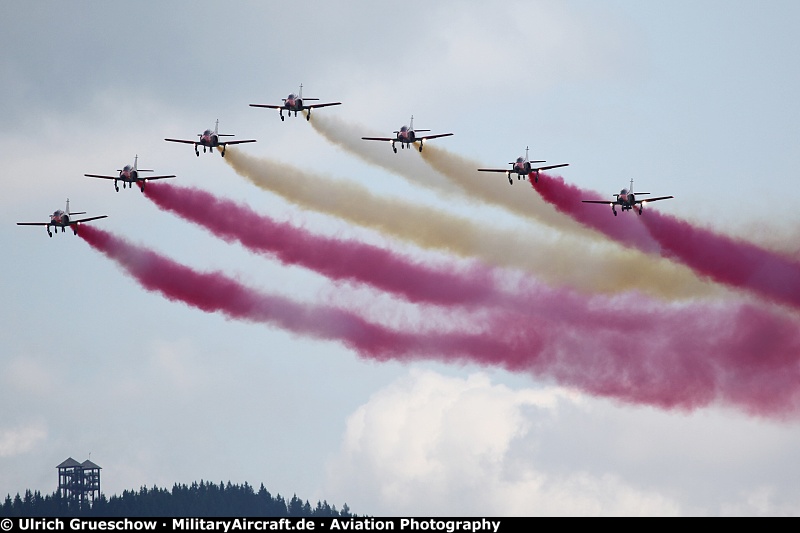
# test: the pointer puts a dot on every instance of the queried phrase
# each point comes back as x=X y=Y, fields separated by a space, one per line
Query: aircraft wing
x=267 y=106
x=550 y=166
x=148 y=178
x=648 y=200
x=379 y=138
x=604 y=202
x=237 y=142
x=312 y=106
x=71 y=222
x=182 y=141
x=495 y=170
x=103 y=177
x=426 y=137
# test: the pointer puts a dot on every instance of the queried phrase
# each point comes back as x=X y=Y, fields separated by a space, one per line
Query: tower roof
x=69 y=463
x=88 y=464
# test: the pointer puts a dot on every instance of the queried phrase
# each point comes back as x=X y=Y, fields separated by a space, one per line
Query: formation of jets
x=62 y=219
x=406 y=136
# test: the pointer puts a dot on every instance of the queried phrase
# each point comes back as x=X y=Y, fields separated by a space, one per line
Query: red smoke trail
x=567 y=199
x=733 y=262
x=727 y=260
x=675 y=357
x=214 y=292
x=343 y=259
x=338 y=259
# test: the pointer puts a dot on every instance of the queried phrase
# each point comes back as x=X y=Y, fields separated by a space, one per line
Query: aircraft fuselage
x=406 y=135
x=293 y=103
x=128 y=173
x=209 y=139
x=523 y=168
x=59 y=218
x=627 y=200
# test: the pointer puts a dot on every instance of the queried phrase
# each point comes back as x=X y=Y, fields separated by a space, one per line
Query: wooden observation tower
x=78 y=483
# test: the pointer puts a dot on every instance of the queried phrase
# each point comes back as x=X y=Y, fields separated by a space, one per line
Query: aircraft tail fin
x=67 y=211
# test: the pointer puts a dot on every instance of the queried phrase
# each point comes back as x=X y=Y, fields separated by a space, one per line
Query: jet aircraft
x=130 y=174
x=523 y=167
x=210 y=139
x=296 y=103
x=62 y=219
x=627 y=200
x=407 y=136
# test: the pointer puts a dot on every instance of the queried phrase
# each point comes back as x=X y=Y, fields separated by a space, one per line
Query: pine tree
x=199 y=499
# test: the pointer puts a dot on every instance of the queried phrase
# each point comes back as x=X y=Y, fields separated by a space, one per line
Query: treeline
x=198 y=499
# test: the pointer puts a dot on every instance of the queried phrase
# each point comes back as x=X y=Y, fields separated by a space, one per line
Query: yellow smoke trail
x=405 y=163
x=460 y=175
x=555 y=259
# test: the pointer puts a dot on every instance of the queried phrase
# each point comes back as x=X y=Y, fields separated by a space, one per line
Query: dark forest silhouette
x=197 y=499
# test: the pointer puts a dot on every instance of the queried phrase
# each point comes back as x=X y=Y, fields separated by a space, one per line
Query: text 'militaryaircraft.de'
x=62 y=219
x=210 y=139
x=407 y=136
x=523 y=167
x=129 y=174
x=296 y=103
x=627 y=200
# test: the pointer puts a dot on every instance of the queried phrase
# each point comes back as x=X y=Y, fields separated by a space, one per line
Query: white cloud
x=31 y=376
x=176 y=364
x=21 y=440
x=434 y=445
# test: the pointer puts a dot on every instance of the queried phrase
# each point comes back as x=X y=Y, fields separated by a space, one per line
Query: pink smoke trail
x=214 y=292
x=567 y=199
x=338 y=259
x=674 y=357
x=347 y=259
x=733 y=262
x=546 y=255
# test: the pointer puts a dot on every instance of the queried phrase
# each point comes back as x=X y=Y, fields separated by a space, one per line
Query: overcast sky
x=692 y=99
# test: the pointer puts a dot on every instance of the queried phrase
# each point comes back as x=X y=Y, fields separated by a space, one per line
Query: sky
x=691 y=99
